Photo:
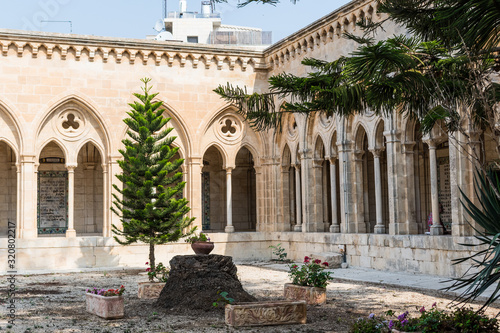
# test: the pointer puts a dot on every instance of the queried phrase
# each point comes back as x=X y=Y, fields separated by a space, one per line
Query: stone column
x=411 y=188
x=114 y=169
x=106 y=201
x=258 y=204
x=437 y=227
x=360 y=225
x=379 y=226
x=335 y=226
x=286 y=216
x=194 y=189
x=18 y=198
x=89 y=197
x=70 y=232
x=229 y=198
x=317 y=194
x=298 y=201
x=28 y=201
x=309 y=223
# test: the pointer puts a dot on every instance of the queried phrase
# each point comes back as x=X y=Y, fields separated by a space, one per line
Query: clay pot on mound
x=202 y=247
x=312 y=295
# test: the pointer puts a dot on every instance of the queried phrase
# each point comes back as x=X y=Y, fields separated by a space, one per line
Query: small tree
x=149 y=207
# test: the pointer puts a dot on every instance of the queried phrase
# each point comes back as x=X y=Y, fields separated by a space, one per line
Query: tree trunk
x=151 y=258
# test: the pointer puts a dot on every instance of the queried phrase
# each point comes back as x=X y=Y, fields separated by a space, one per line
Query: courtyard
x=56 y=302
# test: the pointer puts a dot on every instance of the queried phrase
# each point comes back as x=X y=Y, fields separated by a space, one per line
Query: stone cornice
x=316 y=35
x=325 y=30
x=117 y=49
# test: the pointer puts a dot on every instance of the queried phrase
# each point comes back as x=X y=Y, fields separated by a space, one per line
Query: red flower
x=148 y=269
x=306 y=259
x=317 y=261
x=325 y=263
x=147 y=263
x=295 y=266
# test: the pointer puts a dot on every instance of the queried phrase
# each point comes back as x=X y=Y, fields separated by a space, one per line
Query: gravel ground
x=56 y=303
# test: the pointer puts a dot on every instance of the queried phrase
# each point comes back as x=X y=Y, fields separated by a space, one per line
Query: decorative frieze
x=189 y=56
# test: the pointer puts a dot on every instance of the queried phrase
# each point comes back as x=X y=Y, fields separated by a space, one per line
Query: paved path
x=403 y=279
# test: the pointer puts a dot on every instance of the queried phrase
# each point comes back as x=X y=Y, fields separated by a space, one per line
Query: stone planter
x=202 y=247
x=150 y=290
x=312 y=295
x=266 y=313
x=105 y=307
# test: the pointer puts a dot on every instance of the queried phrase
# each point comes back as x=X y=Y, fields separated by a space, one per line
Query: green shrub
x=462 y=320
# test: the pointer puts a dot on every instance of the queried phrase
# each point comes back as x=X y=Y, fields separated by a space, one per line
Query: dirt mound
x=195 y=279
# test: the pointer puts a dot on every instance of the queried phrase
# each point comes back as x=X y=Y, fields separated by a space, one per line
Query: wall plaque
x=52 y=210
x=444 y=191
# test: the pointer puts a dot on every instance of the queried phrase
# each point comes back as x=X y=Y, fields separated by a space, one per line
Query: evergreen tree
x=149 y=207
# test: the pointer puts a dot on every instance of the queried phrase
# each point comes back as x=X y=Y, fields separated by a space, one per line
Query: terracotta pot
x=150 y=290
x=107 y=307
x=312 y=295
x=202 y=247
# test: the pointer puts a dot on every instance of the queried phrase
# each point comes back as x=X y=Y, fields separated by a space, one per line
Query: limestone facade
x=368 y=182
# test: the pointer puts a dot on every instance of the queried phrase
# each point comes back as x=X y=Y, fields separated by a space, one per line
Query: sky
x=136 y=19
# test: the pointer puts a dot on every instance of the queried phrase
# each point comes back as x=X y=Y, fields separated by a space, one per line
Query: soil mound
x=195 y=279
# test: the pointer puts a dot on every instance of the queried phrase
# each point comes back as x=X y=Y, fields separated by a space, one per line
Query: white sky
x=135 y=19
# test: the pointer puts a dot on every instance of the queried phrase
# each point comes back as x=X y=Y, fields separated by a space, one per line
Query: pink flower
x=434 y=305
x=422 y=310
x=317 y=261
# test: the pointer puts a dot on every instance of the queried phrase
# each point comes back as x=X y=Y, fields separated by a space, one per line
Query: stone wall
x=417 y=254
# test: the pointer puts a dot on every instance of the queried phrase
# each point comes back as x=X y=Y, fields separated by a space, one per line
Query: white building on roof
x=207 y=28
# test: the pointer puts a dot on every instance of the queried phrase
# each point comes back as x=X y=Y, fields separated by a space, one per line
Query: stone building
x=367 y=182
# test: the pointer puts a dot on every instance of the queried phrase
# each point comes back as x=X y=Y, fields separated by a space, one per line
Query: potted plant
x=151 y=289
x=308 y=282
x=105 y=303
x=201 y=243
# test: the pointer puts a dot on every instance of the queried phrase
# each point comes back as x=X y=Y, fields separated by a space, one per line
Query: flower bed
x=433 y=320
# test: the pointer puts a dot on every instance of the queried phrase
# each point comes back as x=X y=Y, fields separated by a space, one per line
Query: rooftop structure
x=206 y=27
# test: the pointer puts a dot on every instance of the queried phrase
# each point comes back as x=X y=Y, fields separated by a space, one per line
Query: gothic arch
x=10 y=130
x=82 y=101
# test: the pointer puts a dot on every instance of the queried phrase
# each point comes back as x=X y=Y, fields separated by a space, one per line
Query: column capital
x=431 y=143
x=392 y=136
x=104 y=167
x=285 y=168
x=376 y=152
x=229 y=170
x=304 y=153
x=318 y=162
x=408 y=147
x=296 y=166
x=27 y=158
x=344 y=145
x=331 y=158
x=71 y=167
x=358 y=155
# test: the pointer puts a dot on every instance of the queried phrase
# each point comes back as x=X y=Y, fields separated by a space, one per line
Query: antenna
x=164 y=9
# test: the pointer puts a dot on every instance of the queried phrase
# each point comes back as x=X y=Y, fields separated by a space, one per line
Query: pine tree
x=149 y=207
